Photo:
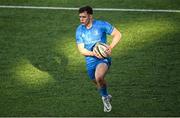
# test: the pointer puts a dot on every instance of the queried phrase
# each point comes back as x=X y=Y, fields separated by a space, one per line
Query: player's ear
x=90 y=15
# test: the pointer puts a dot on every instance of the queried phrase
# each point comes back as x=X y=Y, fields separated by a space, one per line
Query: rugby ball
x=100 y=49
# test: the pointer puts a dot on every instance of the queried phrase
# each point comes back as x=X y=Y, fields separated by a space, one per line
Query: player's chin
x=83 y=23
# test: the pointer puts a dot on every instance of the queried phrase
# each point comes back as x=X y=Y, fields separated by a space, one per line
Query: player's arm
x=116 y=38
x=84 y=51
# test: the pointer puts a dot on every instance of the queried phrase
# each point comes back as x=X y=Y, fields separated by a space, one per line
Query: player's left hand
x=109 y=50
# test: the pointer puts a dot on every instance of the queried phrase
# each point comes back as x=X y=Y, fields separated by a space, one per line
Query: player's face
x=84 y=18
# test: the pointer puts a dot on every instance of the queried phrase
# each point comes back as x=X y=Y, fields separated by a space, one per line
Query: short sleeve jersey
x=97 y=33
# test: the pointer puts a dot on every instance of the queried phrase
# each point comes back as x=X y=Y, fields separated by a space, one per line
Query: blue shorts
x=91 y=71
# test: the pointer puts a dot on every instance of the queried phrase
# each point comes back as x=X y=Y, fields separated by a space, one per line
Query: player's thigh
x=101 y=70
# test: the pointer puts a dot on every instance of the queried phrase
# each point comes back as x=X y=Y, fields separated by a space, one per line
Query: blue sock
x=103 y=91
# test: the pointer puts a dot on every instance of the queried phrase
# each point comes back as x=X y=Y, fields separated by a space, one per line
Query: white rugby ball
x=100 y=49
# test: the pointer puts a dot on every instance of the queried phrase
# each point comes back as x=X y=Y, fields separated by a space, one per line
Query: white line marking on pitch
x=97 y=9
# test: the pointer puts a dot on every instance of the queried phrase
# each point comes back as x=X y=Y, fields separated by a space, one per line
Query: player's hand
x=96 y=55
x=109 y=50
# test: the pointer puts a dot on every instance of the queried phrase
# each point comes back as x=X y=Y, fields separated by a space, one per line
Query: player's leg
x=100 y=69
x=97 y=76
x=100 y=73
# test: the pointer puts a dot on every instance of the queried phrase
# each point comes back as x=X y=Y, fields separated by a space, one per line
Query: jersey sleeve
x=79 y=38
x=108 y=28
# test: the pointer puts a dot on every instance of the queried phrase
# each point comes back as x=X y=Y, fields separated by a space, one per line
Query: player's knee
x=99 y=79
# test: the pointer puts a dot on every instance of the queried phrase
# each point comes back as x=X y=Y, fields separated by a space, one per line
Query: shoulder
x=79 y=28
x=100 y=22
x=105 y=26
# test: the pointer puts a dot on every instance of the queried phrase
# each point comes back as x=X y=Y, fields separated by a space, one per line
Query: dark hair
x=88 y=9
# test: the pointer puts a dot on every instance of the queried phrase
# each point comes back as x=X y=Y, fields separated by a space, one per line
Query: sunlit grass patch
x=69 y=48
x=29 y=75
x=137 y=34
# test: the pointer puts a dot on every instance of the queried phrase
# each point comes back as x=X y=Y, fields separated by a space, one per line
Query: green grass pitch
x=43 y=74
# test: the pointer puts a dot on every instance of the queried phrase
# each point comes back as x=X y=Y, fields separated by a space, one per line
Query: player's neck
x=89 y=25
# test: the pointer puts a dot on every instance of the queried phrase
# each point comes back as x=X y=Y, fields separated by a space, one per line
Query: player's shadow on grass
x=52 y=62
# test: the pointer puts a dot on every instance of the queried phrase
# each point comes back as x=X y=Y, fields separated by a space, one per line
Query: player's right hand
x=96 y=55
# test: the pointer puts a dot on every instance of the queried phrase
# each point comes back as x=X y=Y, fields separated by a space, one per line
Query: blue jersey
x=97 y=33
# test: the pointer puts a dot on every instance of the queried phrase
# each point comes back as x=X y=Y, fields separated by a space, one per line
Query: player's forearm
x=116 y=39
x=86 y=52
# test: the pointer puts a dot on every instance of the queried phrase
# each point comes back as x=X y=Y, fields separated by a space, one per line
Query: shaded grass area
x=42 y=73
